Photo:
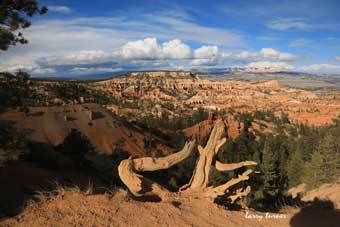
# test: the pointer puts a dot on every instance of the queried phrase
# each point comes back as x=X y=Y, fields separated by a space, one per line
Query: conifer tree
x=294 y=168
x=269 y=165
x=313 y=174
x=329 y=148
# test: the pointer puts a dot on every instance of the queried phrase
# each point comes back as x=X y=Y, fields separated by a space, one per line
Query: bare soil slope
x=52 y=124
x=329 y=192
x=78 y=209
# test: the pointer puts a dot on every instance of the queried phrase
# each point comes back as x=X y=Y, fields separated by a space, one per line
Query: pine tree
x=329 y=148
x=269 y=165
x=313 y=174
x=14 y=16
x=295 y=169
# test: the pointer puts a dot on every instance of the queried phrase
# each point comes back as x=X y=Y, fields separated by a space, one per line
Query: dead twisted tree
x=130 y=169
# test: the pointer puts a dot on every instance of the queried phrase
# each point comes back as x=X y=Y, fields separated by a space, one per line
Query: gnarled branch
x=141 y=186
x=200 y=177
x=239 y=194
x=232 y=166
x=213 y=192
x=129 y=170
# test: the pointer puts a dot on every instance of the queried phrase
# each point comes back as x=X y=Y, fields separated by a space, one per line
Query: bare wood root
x=137 y=184
x=232 y=166
x=239 y=194
x=140 y=186
x=129 y=170
x=152 y=164
x=213 y=192
x=200 y=177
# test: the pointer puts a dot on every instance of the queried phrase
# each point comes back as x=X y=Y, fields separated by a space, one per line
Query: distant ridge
x=162 y=74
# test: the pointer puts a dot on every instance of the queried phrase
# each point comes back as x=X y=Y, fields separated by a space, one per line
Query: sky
x=79 y=37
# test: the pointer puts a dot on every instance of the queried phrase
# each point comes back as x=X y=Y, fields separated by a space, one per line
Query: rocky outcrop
x=185 y=90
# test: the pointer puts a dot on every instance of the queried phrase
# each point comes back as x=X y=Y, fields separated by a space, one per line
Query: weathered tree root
x=240 y=193
x=140 y=186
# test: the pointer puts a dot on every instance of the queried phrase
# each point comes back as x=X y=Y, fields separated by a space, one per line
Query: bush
x=13 y=144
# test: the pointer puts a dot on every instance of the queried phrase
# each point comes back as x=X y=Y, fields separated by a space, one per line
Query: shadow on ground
x=45 y=170
x=318 y=213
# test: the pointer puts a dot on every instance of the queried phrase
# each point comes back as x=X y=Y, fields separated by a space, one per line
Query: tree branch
x=141 y=186
x=232 y=166
x=214 y=192
x=239 y=194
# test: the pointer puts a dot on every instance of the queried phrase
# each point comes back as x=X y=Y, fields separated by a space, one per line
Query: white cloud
x=204 y=62
x=31 y=68
x=188 y=30
x=146 y=49
x=176 y=49
x=321 y=68
x=59 y=9
x=142 y=49
x=299 y=42
x=270 y=53
x=268 y=64
x=137 y=54
x=89 y=70
x=283 y=24
x=265 y=54
x=206 y=56
x=41 y=71
x=268 y=38
x=206 y=52
x=337 y=58
x=288 y=24
x=79 y=58
x=97 y=40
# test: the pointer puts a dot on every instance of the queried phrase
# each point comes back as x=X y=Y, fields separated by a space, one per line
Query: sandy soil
x=329 y=192
x=71 y=207
x=49 y=125
x=78 y=209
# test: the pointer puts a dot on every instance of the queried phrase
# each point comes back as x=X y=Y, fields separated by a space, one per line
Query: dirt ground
x=74 y=208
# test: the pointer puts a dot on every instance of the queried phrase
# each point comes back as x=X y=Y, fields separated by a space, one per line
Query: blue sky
x=81 y=37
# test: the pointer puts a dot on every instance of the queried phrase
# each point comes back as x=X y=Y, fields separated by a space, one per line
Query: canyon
x=189 y=91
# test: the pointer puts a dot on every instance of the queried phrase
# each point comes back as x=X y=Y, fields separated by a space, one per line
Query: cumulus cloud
x=149 y=48
x=145 y=49
x=59 y=9
x=206 y=52
x=148 y=53
x=52 y=40
x=176 y=49
x=268 y=64
x=142 y=49
x=206 y=56
x=337 y=58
